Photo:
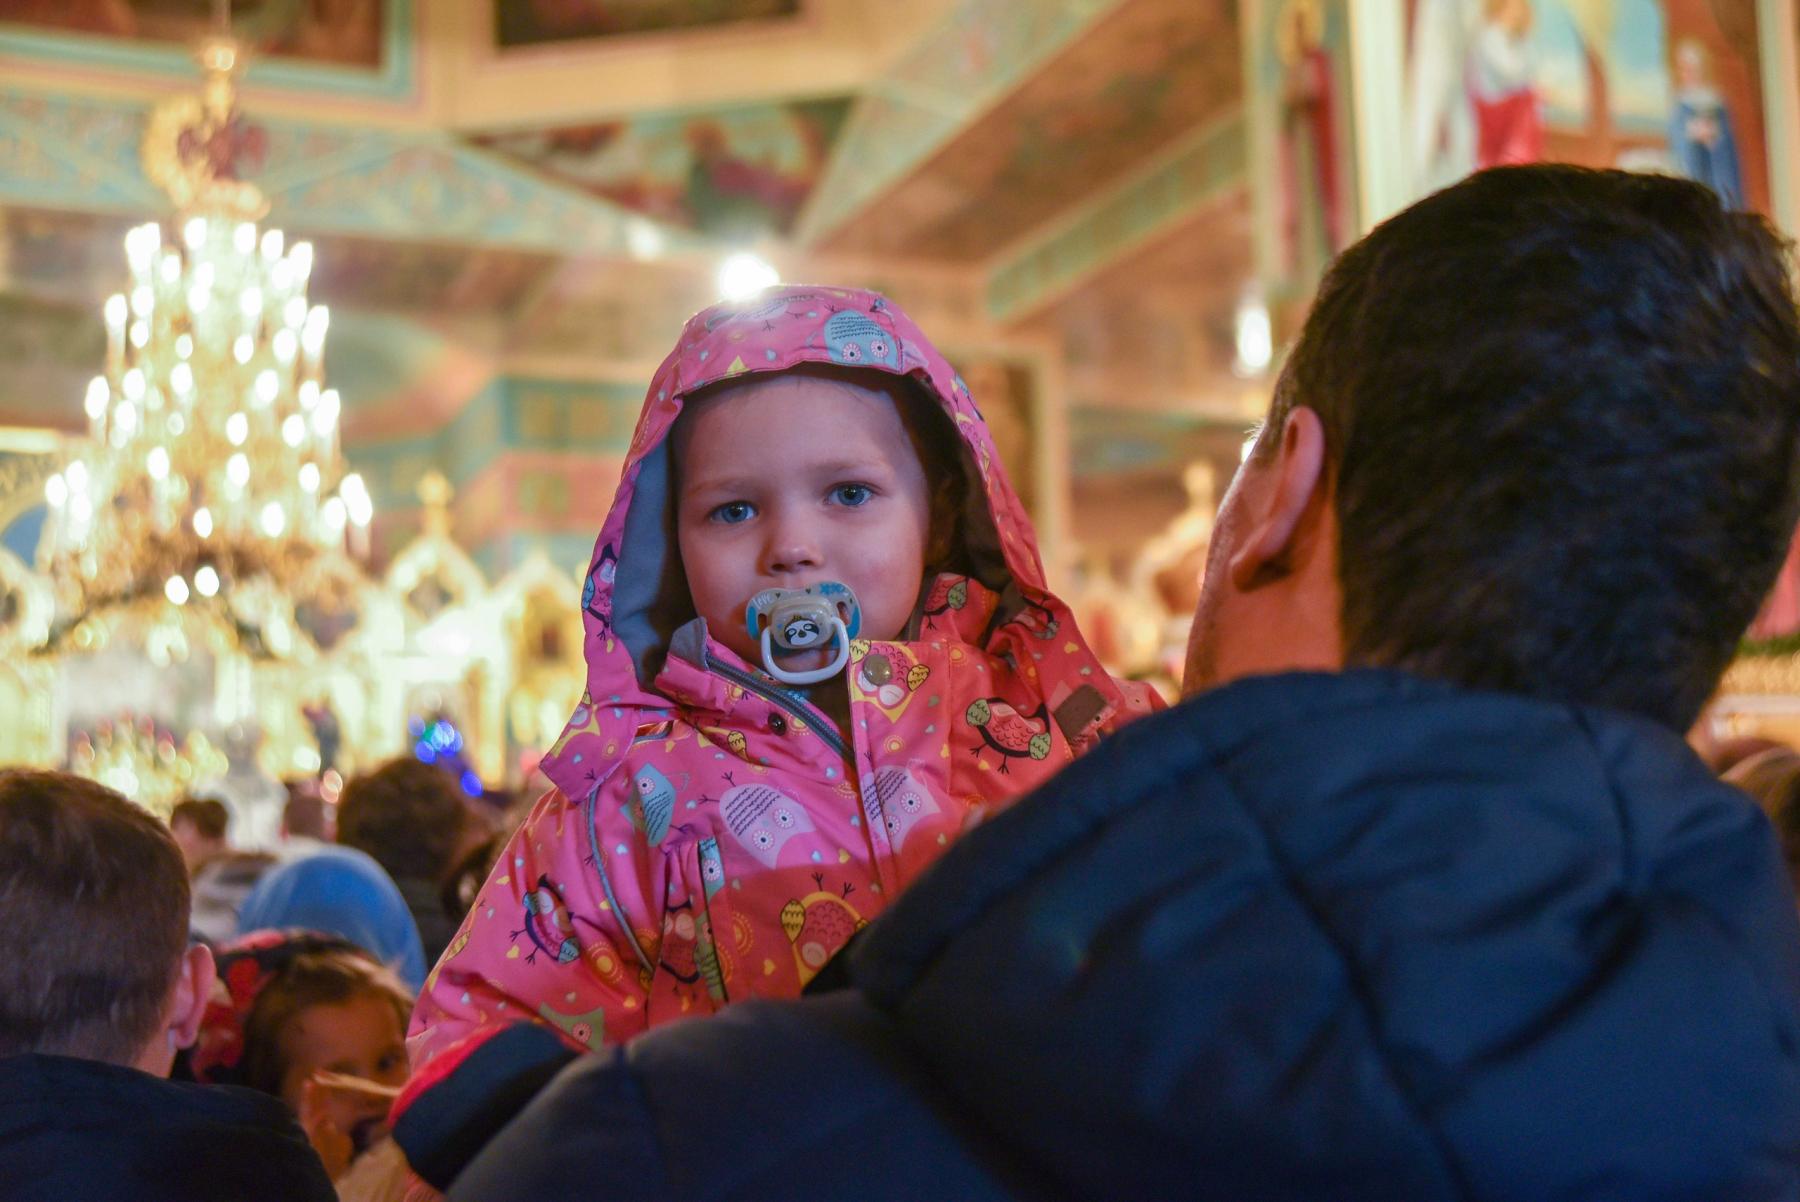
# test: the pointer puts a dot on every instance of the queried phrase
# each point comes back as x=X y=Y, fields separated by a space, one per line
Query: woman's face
x=358 y=1038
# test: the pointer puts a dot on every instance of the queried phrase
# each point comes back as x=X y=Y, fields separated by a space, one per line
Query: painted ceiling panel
x=733 y=173
x=519 y=23
x=1142 y=77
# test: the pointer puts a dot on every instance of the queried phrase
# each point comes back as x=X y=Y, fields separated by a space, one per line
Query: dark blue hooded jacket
x=1307 y=937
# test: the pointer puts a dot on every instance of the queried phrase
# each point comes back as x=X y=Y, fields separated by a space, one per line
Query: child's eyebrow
x=838 y=467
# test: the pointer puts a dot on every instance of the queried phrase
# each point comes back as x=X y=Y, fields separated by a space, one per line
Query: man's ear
x=1293 y=483
x=193 y=987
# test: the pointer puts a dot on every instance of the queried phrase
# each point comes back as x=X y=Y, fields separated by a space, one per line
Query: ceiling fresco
x=733 y=173
x=520 y=23
x=1141 y=78
x=343 y=33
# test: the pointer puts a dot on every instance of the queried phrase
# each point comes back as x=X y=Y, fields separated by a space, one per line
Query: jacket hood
x=1365 y=935
x=635 y=578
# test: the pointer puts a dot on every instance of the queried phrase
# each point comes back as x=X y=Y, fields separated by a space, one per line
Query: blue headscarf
x=340 y=891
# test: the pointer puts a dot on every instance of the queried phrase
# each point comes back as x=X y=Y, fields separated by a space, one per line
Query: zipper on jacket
x=805 y=711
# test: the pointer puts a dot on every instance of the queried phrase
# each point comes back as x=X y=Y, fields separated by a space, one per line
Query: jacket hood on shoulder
x=635 y=579
x=1364 y=935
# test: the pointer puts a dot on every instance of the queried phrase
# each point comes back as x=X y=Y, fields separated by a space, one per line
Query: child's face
x=358 y=1038
x=793 y=480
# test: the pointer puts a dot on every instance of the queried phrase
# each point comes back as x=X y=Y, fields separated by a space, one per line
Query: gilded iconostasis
x=1111 y=213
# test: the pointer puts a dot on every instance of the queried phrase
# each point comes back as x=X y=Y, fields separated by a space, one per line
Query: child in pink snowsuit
x=717 y=834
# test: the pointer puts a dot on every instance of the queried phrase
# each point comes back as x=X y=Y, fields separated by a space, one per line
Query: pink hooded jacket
x=712 y=836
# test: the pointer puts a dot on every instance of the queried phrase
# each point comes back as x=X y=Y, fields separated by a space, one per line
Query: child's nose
x=790 y=551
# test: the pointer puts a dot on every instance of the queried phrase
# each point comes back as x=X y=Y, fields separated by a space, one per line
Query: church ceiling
x=522 y=23
x=737 y=173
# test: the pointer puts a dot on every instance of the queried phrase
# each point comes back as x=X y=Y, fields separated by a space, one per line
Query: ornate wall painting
x=344 y=33
x=734 y=172
x=1298 y=63
x=1650 y=85
x=519 y=23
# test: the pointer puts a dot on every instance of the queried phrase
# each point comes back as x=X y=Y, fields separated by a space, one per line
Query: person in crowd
x=99 y=987
x=199 y=825
x=820 y=647
x=222 y=876
x=1420 y=893
x=319 y=1023
x=413 y=819
x=343 y=892
x=1772 y=779
x=308 y=820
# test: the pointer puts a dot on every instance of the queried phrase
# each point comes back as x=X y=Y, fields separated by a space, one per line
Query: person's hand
x=342 y=1115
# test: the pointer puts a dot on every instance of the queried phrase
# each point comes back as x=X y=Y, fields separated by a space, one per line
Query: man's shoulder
x=81 y=1128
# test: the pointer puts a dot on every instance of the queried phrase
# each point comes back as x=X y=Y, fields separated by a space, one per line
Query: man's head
x=199 y=826
x=1541 y=433
x=94 y=955
x=409 y=817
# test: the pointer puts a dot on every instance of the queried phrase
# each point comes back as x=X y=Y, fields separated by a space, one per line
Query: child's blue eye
x=733 y=512
x=852 y=494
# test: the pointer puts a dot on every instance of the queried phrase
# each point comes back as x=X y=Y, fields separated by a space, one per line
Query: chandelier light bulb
x=237 y=470
x=133 y=384
x=274 y=519
x=271 y=244
x=243 y=238
x=80 y=508
x=116 y=309
x=177 y=425
x=243 y=348
x=176 y=590
x=157 y=463
x=139 y=248
x=140 y=334
x=143 y=299
x=308 y=393
x=203 y=523
x=184 y=346
x=125 y=418
x=98 y=396
x=237 y=429
x=268 y=386
x=194 y=233
x=334 y=513
x=169 y=268
x=77 y=474
x=204 y=276
x=250 y=302
x=286 y=345
x=293 y=431
x=309 y=475
x=181 y=379
x=199 y=299
x=325 y=414
x=294 y=312
x=206 y=581
x=56 y=491
x=302 y=259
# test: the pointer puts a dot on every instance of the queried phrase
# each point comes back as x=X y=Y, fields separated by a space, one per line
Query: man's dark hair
x=408 y=815
x=1562 y=419
x=93 y=918
x=207 y=815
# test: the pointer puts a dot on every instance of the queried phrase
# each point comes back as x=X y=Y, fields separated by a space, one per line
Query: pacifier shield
x=792 y=621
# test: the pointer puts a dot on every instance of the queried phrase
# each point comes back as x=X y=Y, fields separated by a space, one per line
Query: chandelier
x=212 y=461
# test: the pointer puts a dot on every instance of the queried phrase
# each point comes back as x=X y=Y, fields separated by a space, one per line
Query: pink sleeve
x=544 y=942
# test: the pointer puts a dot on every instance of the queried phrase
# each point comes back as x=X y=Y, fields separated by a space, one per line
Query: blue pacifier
x=790 y=621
